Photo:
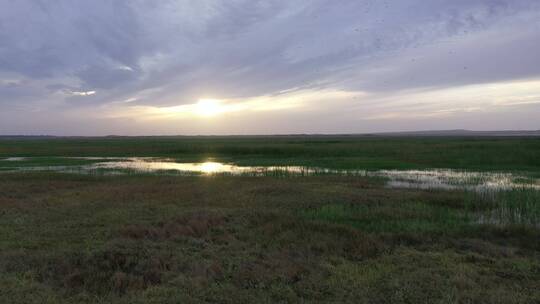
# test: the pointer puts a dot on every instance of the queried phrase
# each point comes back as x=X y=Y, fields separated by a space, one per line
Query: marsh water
x=447 y=179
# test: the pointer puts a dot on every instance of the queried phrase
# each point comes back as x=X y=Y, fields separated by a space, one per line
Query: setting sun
x=208 y=107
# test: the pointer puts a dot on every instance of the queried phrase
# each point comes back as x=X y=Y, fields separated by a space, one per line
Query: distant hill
x=462 y=133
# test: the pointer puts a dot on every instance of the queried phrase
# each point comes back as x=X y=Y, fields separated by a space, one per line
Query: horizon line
x=457 y=132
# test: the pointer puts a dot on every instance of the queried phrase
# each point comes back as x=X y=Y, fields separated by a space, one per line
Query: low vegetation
x=192 y=239
x=343 y=152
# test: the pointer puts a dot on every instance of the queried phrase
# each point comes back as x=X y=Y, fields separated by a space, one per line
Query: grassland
x=343 y=152
x=138 y=238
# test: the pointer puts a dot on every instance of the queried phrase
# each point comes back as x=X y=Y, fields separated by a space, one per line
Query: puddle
x=132 y=159
x=445 y=179
x=209 y=168
x=14 y=159
x=156 y=166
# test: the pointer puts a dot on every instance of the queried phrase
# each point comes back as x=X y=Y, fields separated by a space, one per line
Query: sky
x=183 y=67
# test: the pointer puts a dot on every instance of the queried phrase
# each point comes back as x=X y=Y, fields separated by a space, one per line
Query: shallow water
x=159 y=165
x=446 y=179
x=14 y=159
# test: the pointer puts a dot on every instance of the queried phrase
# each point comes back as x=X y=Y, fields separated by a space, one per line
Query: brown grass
x=193 y=225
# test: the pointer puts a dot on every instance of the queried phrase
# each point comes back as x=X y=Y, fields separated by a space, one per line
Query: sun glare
x=208 y=107
x=210 y=167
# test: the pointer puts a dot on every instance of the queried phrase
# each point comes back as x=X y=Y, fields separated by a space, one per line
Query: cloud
x=173 y=53
x=87 y=93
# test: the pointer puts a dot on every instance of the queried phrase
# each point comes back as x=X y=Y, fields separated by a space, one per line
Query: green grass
x=46 y=162
x=344 y=152
x=516 y=207
x=393 y=217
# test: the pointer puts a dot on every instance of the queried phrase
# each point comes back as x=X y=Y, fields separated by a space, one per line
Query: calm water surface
x=419 y=179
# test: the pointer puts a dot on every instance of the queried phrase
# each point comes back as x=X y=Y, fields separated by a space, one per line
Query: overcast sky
x=102 y=67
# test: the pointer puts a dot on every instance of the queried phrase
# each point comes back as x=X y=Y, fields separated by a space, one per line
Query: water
x=14 y=159
x=445 y=179
x=448 y=179
x=205 y=168
x=159 y=165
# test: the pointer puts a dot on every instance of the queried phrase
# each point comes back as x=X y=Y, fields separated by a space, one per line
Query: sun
x=208 y=107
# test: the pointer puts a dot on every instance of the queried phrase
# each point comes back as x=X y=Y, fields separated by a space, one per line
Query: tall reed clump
x=517 y=206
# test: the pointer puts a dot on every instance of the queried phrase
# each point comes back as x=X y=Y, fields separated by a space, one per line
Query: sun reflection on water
x=446 y=179
x=212 y=167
